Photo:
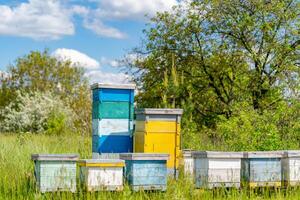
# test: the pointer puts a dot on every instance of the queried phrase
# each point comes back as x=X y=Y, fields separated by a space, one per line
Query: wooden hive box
x=158 y=131
x=55 y=172
x=262 y=168
x=187 y=162
x=145 y=171
x=217 y=169
x=112 y=123
x=102 y=174
x=291 y=168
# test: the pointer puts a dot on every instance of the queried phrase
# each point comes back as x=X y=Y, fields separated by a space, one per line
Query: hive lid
x=113 y=86
x=216 y=154
x=144 y=156
x=55 y=157
x=159 y=111
x=187 y=153
x=264 y=154
x=292 y=154
x=102 y=162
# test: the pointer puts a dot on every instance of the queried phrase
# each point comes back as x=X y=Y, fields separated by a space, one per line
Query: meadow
x=17 y=178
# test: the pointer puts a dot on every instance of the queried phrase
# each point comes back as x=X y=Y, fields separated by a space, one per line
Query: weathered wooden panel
x=107 y=94
x=227 y=163
x=53 y=174
x=112 y=127
x=291 y=168
x=262 y=169
x=222 y=170
x=112 y=110
x=187 y=161
x=139 y=141
x=265 y=170
x=146 y=174
x=102 y=174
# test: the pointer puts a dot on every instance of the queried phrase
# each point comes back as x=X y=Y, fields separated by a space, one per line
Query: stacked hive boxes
x=158 y=131
x=112 y=118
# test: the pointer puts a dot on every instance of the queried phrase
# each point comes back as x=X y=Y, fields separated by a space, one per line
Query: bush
x=270 y=130
x=36 y=112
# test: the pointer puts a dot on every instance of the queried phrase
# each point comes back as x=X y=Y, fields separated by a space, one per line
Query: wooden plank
x=224 y=163
x=112 y=127
x=115 y=144
x=56 y=175
x=98 y=178
x=146 y=173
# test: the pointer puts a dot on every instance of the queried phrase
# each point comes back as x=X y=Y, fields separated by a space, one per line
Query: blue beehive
x=112 y=118
x=146 y=171
x=55 y=172
x=262 y=168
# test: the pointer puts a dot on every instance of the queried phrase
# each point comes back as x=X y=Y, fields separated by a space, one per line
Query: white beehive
x=291 y=168
x=102 y=174
x=217 y=169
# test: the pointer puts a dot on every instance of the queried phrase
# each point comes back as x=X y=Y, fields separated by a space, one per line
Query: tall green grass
x=17 y=179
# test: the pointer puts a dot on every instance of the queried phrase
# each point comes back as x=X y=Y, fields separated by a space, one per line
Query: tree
x=38 y=71
x=225 y=53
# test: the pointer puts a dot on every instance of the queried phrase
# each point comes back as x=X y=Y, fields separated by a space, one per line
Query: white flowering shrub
x=36 y=112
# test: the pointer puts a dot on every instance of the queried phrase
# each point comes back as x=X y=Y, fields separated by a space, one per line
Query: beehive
x=217 y=169
x=55 y=172
x=158 y=131
x=146 y=171
x=102 y=174
x=262 y=168
x=187 y=162
x=112 y=114
x=291 y=168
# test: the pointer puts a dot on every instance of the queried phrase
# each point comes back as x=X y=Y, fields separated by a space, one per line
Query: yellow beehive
x=158 y=131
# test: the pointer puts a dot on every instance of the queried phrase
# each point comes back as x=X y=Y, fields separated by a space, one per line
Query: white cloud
x=107 y=77
x=77 y=58
x=97 y=26
x=122 y=10
x=133 y=9
x=110 y=62
x=37 y=19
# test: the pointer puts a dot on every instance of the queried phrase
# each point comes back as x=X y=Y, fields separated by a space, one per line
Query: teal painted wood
x=55 y=175
x=146 y=174
x=112 y=110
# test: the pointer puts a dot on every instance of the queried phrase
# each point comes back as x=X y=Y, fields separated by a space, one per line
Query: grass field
x=17 y=180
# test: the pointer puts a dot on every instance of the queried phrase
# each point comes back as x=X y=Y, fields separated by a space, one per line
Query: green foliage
x=37 y=112
x=233 y=66
x=57 y=123
x=271 y=130
x=40 y=72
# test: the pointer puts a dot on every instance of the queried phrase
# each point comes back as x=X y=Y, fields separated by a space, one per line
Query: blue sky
x=91 y=33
